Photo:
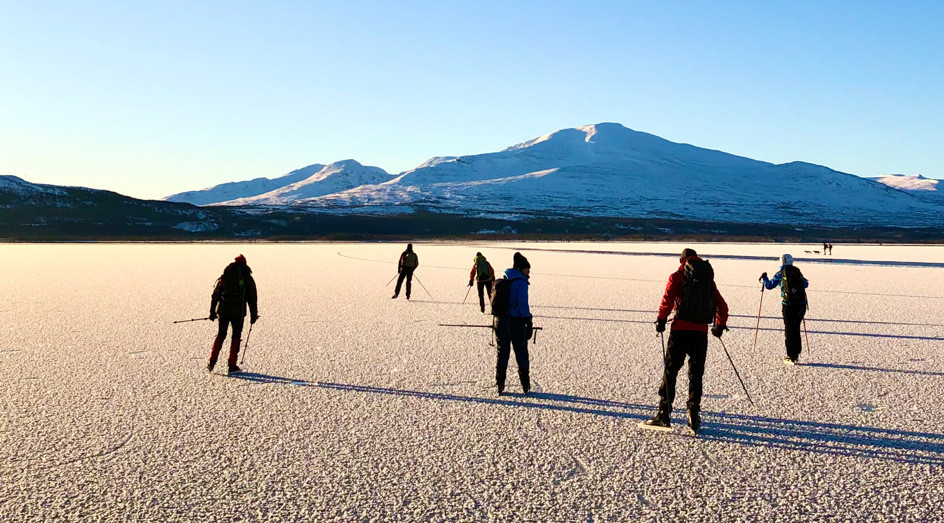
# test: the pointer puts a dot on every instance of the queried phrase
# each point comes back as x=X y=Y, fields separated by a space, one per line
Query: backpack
x=481 y=270
x=410 y=260
x=232 y=286
x=698 y=302
x=501 y=297
x=792 y=289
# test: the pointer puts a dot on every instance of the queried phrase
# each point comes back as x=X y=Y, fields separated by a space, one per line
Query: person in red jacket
x=694 y=310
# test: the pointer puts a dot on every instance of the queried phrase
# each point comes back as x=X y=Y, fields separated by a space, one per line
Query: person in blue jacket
x=515 y=329
x=793 y=293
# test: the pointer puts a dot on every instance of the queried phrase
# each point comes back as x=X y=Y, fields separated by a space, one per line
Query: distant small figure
x=485 y=274
x=233 y=291
x=408 y=263
x=793 y=293
x=513 y=322
x=830 y=249
x=825 y=246
x=691 y=292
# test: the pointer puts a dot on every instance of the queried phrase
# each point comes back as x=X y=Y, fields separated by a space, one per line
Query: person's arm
x=472 y=274
x=773 y=283
x=491 y=271
x=721 y=313
x=251 y=299
x=215 y=297
x=522 y=299
x=806 y=283
x=668 y=299
x=400 y=264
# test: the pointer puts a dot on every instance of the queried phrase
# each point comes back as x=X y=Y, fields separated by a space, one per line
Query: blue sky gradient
x=152 y=98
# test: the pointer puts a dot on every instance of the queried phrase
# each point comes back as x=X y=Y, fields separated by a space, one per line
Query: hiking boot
x=787 y=360
x=211 y=364
x=234 y=369
x=501 y=390
x=694 y=420
x=658 y=422
x=393 y=297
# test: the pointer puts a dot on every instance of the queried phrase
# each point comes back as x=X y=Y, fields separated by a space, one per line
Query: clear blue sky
x=151 y=98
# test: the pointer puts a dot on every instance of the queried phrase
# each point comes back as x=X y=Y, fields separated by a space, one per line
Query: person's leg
x=503 y=339
x=396 y=291
x=481 y=289
x=519 y=340
x=697 y=353
x=409 y=282
x=218 y=341
x=792 y=319
x=237 y=339
x=674 y=359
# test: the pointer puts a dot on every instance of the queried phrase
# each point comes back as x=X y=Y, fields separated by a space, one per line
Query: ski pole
x=466 y=294
x=809 y=349
x=195 y=319
x=665 y=366
x=246 y=349
x=391 y=280
x=423 y=286
x=736 y=373
x=759 y=307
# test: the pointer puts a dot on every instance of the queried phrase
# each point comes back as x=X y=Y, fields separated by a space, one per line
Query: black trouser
x=485 y=286
x=225 y=321
x=682 y=343
x=792 y=319
x=512 y=332
x=407 y=273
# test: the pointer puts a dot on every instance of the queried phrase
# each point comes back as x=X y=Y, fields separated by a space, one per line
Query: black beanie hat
x=520 y=262
x=686 y=253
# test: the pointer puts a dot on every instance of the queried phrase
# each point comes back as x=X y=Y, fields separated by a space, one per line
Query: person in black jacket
x=234 y=290
x=408 y=263
x=793 y=292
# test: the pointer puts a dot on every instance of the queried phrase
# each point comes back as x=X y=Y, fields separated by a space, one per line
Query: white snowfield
x=358 y=407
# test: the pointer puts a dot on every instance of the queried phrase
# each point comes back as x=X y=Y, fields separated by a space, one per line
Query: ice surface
x=359 y=407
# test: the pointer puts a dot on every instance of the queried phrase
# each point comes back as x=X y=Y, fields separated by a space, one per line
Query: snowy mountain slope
x=13 y=185
x=610 y=170
x=246 y=189
x=333 y=178
x=917 y=184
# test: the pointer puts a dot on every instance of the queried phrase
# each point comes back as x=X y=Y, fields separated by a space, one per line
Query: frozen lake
x=356 y=407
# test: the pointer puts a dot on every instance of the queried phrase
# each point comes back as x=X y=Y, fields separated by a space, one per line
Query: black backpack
x=698 y=302
x=232 y=286
x=792 y=288
x=501 y=296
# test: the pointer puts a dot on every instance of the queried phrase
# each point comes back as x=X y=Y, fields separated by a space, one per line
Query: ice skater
x=408 y=263
x=233 y=291
x=793 y=296
x=691 y=292
x=485 y=274
x=513 y=322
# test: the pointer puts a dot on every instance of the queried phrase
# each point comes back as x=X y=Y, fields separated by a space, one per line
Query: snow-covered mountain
x=917 y=184
x=336 y=177
x=247 y=189
x=610 y=170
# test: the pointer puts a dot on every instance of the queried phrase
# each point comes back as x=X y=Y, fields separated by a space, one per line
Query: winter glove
x=253 y=318
x=470 y=283
x=212 y=315
x=763 y=277
x=718 y=330
x=660 y=325
x=529 y=328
